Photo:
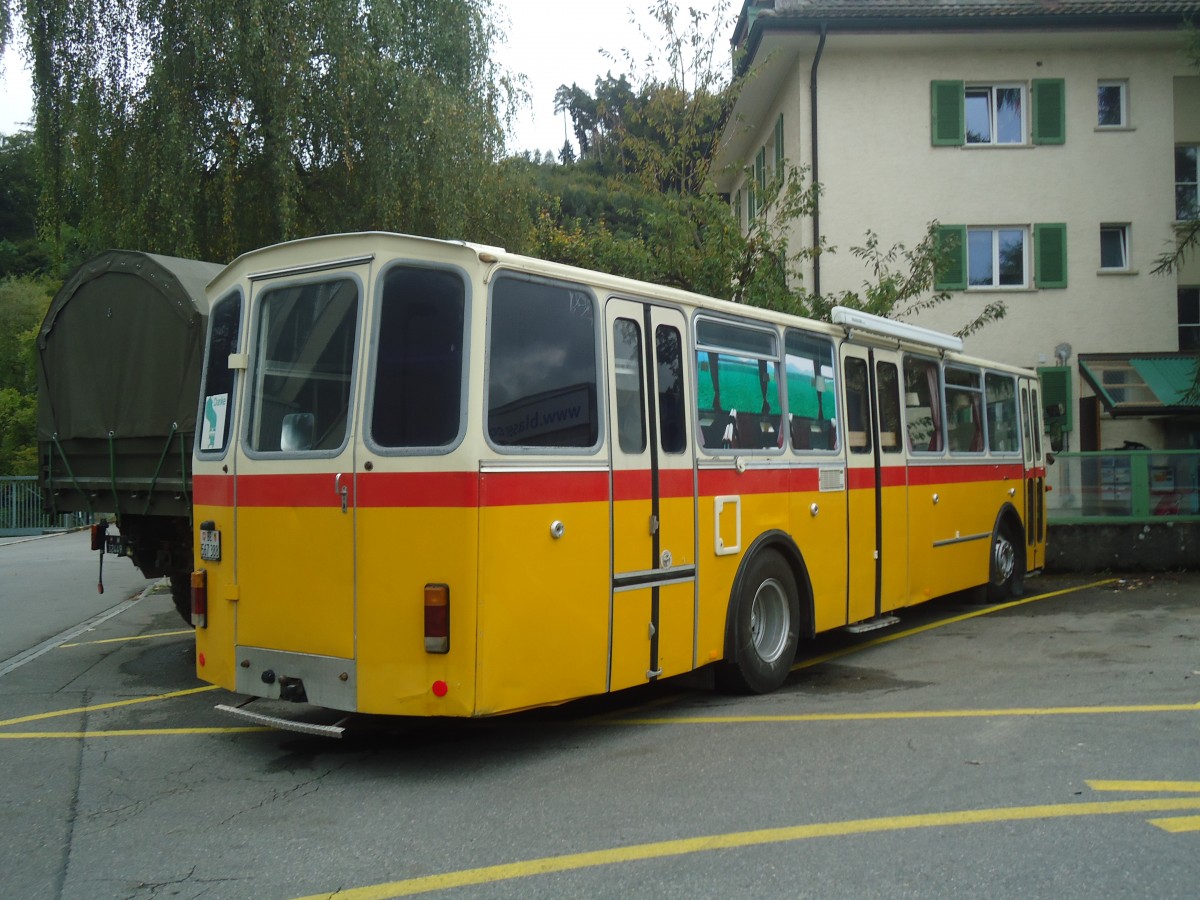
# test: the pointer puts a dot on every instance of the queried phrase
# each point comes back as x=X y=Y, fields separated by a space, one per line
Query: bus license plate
x=210 y=545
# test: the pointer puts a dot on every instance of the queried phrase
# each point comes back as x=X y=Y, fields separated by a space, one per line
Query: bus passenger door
x=1034 y=458
x=877 y=483
x=652 y=611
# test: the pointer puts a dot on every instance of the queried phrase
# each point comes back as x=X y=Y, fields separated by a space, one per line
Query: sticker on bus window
x=212 y=437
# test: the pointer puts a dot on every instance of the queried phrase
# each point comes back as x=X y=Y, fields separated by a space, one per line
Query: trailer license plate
x=210 y=545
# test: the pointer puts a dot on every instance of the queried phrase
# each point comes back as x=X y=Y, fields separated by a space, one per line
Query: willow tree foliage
x=205 y=128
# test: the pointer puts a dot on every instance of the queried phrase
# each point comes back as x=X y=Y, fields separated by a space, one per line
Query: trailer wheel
x=181 y=595
x=766 y=619
x=1006 y=569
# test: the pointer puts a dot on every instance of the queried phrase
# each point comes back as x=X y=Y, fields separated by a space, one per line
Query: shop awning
x=1144 y=384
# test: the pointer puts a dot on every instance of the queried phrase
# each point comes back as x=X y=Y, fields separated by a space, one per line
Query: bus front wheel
x=1006 y=570
x=766 y=618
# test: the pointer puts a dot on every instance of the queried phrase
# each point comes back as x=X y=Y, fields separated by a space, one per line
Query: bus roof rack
x=856 y=320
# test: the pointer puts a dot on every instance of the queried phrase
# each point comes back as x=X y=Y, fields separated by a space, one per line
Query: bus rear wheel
x=1006 y=571
x=766 y=617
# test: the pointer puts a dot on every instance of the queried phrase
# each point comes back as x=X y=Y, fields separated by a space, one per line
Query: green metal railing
x=1118 y=486
x=21 y=510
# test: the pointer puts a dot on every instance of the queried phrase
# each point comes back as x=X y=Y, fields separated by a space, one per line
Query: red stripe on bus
x=676 y=483
x=527 y=488
x=468 y=489
x=290 y=490
x=716 y=482
x=962 y=474
x=212 y=490
x=423 y=489
x=631 y=484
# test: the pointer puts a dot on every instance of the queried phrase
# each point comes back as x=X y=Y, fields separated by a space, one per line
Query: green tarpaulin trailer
x=120 y=354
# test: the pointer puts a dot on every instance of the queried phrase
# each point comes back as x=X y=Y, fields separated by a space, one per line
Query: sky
x=550 y=42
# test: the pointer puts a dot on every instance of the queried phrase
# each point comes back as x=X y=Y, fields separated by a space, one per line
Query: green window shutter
x=779 y=155
x=737 y=209
x=947 y=99
x=1056 y=397
x=951 y=246
x=1050 y=249
x=760 y=168
x=1049 y=111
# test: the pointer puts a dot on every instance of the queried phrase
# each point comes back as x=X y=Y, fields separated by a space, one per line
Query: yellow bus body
x=567 y=574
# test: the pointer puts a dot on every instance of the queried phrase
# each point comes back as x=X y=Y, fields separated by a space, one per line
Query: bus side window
x=542 y=365
x=672 y=411
x=923 y=405
x=631 y=411
x=887 y=387
x=811 y=398
x=417 y=397
x=964 y=409
x=1001 y=394
x=858 y=406
x=737 y=394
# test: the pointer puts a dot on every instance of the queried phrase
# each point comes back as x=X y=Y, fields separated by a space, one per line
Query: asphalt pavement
x=1041 y=748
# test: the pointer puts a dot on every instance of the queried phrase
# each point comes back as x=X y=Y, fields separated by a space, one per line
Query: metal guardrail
x=21 y=511
x=1122 y=486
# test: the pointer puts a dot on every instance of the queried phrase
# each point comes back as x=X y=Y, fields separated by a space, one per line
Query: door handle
x=342 y=490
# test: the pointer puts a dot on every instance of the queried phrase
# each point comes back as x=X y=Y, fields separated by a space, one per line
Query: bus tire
x=181 y=596
x=764 y=630
x=1006 y=569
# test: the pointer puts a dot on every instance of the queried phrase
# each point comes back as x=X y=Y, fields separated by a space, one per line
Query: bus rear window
x=305 y=361
x=542 y=366
x=417 y=398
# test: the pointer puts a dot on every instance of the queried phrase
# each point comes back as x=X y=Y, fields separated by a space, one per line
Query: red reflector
x=437 y=618
x=440 y=688
x=200 y=598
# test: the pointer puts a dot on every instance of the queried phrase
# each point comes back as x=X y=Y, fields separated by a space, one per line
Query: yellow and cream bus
x=438 y=479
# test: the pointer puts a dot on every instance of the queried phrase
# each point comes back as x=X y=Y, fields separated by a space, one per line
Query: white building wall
x=880 y=171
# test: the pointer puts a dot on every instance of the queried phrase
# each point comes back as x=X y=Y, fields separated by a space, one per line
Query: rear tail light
x=200 y=598
x=98 y=531
x=437 y=618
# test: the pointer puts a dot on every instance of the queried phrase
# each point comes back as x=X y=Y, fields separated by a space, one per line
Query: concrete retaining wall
x=1162 y=547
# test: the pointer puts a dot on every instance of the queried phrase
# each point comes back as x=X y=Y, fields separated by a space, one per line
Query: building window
x=1186 y=205
x=1189 y=318
x=998 y=114
x=996 y=257
x=1110 y=104
x=995 y=114
x=1114 y=247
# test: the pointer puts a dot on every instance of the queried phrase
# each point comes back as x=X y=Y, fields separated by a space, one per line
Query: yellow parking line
x=133 y=637
x=909 y=714
x=986 y=611
x=663 y=849
x=127 y=732
x=1177 y=826
x=1188 y=787
x=99 y=706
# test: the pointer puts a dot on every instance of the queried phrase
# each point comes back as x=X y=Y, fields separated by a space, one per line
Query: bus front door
x=652 y=611
x=295 y=489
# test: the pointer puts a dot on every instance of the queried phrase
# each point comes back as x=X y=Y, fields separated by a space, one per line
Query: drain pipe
x=816 y=171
